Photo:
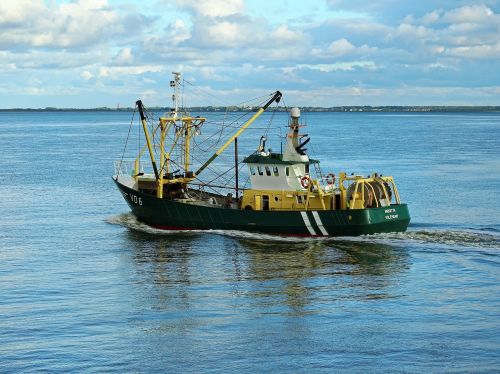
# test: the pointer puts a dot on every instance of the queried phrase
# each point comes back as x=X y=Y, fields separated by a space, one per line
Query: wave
x=484 y=237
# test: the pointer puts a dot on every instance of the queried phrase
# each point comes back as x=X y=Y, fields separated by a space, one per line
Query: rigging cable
x=128 y=135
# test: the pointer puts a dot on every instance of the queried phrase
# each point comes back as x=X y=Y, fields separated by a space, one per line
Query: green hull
x=172 y=215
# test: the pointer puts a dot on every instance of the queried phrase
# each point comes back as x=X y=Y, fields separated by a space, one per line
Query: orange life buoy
x=330 y=179
x=305 y=181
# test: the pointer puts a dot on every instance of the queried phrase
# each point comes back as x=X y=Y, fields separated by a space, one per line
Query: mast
x=181 y=126
x=187 y=122
x=175 y=84
x=276 y=97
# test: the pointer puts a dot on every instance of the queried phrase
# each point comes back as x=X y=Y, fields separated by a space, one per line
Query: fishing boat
x=283 y=198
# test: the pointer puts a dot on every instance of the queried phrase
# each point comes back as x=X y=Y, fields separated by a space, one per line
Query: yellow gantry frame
x=362 y=180
x=166 y=124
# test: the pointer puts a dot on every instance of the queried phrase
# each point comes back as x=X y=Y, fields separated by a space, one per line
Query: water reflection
x=302 y=275
x=163 y=270
x=188 y=271
x=374 y=258
x=165 y=258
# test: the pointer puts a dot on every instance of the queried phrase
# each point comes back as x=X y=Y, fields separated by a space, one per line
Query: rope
x=259 y=98
x=128 y=135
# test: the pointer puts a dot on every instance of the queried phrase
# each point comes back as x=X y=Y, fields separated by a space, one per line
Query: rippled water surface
x=85 y=287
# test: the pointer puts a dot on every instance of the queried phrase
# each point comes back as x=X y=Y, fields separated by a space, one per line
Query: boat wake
x=467 y=237
x=446 y=237
x=130 y=221
x=476 y=238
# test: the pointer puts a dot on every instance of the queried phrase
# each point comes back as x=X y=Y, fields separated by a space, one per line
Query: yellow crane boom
x=276 y=97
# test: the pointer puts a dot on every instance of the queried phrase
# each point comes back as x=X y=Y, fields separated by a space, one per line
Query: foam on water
x=130 y=221
x=467 y=238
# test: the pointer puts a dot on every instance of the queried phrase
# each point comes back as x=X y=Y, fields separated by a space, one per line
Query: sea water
x=84 y=286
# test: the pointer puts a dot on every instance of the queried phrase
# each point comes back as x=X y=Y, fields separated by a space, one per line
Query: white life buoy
x=305 y=181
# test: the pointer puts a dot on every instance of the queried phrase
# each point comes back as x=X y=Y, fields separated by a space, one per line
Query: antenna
x=175 y=97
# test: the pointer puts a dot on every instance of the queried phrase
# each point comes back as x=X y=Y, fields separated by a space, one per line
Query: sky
x=96 y=53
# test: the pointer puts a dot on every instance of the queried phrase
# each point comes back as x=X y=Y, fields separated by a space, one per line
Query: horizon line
x=340 y=108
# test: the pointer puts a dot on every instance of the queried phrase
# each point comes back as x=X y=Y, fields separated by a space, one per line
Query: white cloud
x=213 y=8
x=93 y=4
x=35 y=24
x=226 y=33
x=123 y=57
x=115 y=71
x=87 y=75
x=177 y=32
x=15 y=12
x=104 y=72
x=283 y=35
x=211 y=73
x=475 y=51
x=412 y=32
x=339 y=66
x=340 y=47
x=221 y=45
x=472 y=13
x=41 y=60
x=431 y=17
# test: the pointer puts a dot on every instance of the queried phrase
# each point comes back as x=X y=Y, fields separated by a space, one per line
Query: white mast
x=175 y=97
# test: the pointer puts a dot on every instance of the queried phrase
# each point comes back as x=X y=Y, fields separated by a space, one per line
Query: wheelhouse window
x=276 y=171
x=252 y=170
x=259 y=169
x=268 y=171
x=307 y=168
x=287 y=171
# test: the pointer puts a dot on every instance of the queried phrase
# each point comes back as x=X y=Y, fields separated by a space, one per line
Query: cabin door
x=265 y=202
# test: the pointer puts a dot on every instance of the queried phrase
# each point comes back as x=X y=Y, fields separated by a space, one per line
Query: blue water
x=85 y=287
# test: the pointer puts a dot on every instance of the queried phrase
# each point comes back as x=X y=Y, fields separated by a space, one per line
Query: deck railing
x=123 y=166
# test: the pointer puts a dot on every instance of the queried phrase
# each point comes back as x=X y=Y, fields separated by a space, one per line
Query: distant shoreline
x=412 y=109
